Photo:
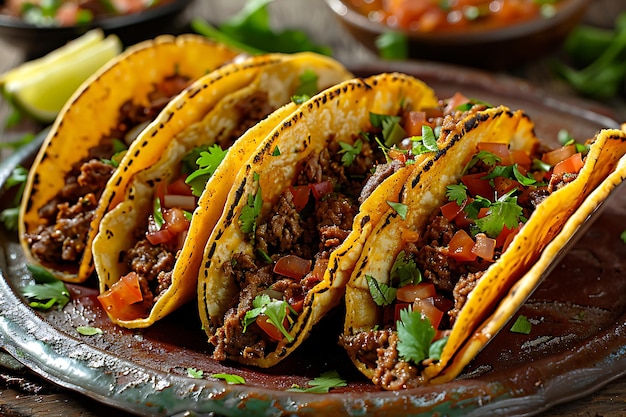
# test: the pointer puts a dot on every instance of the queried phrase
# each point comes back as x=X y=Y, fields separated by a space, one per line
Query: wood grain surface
x=25 y=394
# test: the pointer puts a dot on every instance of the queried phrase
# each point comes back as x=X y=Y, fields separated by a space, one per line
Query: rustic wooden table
x=25 y=394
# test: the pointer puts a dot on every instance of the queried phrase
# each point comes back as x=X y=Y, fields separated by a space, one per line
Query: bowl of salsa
x=481 y=33
x=39 y=26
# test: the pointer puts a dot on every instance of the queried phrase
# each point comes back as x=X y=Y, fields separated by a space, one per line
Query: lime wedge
x=41 y=87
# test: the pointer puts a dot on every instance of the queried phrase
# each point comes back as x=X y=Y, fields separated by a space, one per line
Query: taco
x=294 y=222
x=484 y=219
x=149 y=248
x=60 y=211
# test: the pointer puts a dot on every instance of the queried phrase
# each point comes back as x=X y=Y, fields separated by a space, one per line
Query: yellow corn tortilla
x=92 y=112
x=519 y=268
x=205 y=114
x=337 y=114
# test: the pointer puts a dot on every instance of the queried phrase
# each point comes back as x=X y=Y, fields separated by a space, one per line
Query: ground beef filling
x=452 y=279
x=61 y=239
x=154 y=264
x=313 y=233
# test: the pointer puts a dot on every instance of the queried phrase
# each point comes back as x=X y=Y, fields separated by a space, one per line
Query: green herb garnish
x=207 y=163
x=322 y=384
x=521 y=325
x=47 y=290
x=349 y=152
x=195 y=373
x=415 y=337
x=382 y=294
x=275 y=310
x=88 y=330
x=404 y=271
x=230 y=378
x=251 y=210
x=401 y=209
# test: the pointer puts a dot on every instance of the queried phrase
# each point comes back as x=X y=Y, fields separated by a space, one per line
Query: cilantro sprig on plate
x=47 y=291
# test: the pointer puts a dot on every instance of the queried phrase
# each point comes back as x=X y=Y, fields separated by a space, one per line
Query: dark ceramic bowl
x=133 y=28
x=494 y=49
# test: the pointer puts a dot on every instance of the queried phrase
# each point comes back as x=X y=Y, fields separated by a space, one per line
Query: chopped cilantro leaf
x=521 y=325
x=622 y=236
x=486 y=157
x=47 y=290
x=88 y=330
x=565 y=138
x=415 y=334
x=207 y=163
x=299 y=99
x=539 y=165
x=435 y=349
x=322 y=384
x=230 y=378
x=457 y=193
x=250 y=211
x=195 y=373
x=276 y=151
x=349 y=152
x=275 y=310
x=405 y=271
x=425 y=143
x=401 y=209
x=382 y=294
x=503 y=212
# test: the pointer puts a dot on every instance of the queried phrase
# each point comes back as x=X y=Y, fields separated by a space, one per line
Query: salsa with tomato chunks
x=445 y=16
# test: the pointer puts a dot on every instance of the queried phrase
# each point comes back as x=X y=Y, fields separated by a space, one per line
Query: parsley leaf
x=503 y=212
x=456 y=193
x=251 y=210
x=207 y=163
x=404 y=271
x=47 y=290
x=195 y=373
x=382 y=294
x=521 y=325
x=415 y=334
x=88 y=330
x=322 y=384
x=425 y=143
x=230 y=378
x=275 y=310
x=349 y=152
x=401 y=209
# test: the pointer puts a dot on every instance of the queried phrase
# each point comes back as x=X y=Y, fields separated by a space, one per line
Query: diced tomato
x=460 y=247
x=462 y=221
x=409 y=293
x=179 y=187
x=413 y=123
x=443 y=303
x=571 y=165
x=426 y=306
x=478 y=186
x=272 y=331
x=521 y=158
x=123 y=299
x=456 y=100
x=300 y=196
x=501 y=150
x=175 y=220
x=399 y=306
x=450 y=210
x=297 y=303
x=557 y=155
x=156 y=237
x=293 y=266
x=484 y=247
x=503 y=185
x=322 y=188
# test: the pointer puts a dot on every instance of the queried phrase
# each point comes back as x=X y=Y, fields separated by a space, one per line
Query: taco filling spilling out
x=66 y=218
x=311 y=218
x=436 y=269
